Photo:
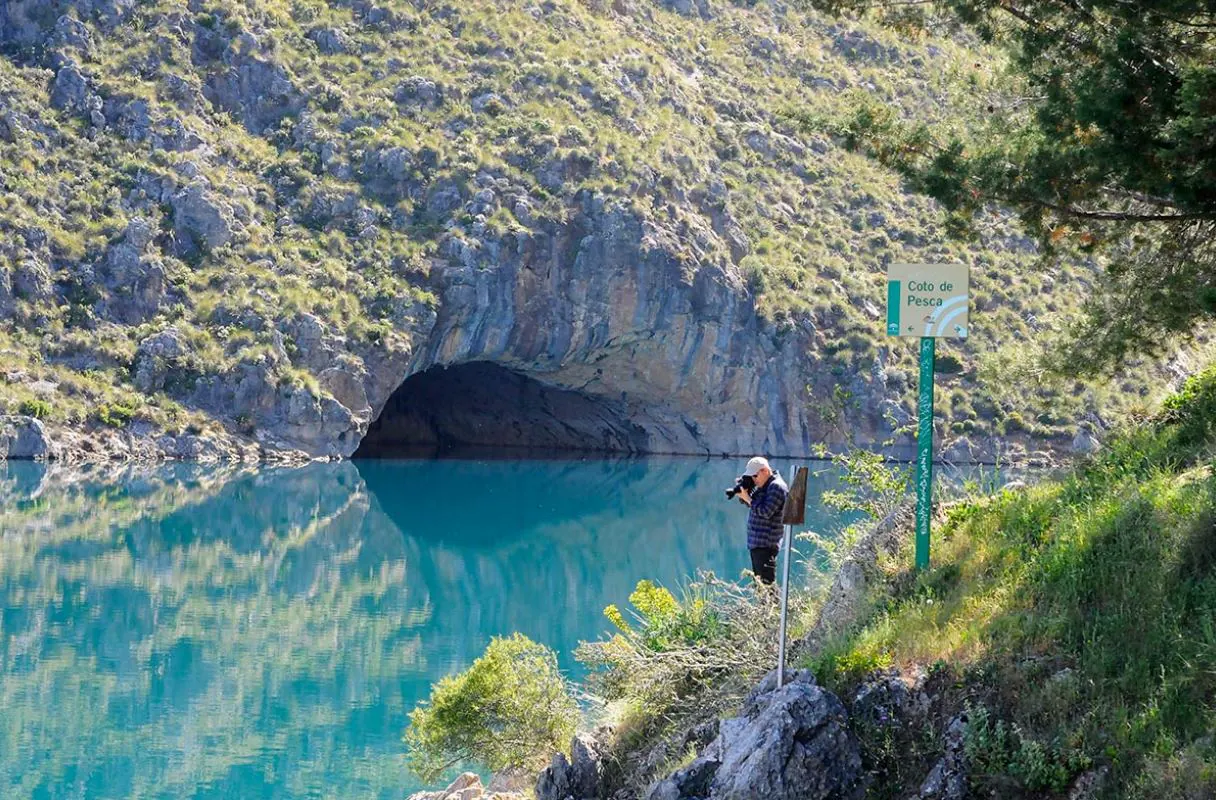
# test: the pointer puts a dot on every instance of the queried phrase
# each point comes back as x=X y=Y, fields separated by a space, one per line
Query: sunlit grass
x=1083 y=609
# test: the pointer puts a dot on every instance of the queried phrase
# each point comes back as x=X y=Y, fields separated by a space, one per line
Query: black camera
x=742 y=482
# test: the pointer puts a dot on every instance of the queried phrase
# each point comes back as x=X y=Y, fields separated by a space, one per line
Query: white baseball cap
x=756 y=464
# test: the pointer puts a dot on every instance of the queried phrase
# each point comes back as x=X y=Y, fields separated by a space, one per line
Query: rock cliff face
x=252 y=230
x=790 y=743
x=647 y=354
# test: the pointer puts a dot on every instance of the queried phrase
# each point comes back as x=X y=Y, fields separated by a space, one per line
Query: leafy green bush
x=1187 y=775
x=116 y=415
x=995 y=748
x=948 y=364
x=1192 y=411
x=663 y=622
x=511 y=708
x=679 y=663
x=841 y=666
x=39 y=409
x=872 y=484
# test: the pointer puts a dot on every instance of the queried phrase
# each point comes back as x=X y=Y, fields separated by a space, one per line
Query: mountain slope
x=245 y=225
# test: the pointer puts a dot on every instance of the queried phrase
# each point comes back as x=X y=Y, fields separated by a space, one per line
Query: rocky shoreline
x=24 y=438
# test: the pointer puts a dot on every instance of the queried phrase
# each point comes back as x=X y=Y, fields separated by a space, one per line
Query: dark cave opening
x=483 y=409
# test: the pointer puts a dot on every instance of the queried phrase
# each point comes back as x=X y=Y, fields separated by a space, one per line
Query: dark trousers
x=764 y=563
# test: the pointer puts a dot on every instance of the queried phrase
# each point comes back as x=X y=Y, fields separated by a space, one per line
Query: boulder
x=314 y=343
x=576 y=778
x=467 y=787
x=1090 y=784
x=131 y=118
x=201 y=222
x=330 y=41
x=948 y=778
x=6 y=293
x=857 y=45
x=137 y=284
x=790 y=743
x=155 y=356
x=690 y=8
x=513 y=780
x=253 y=88
x=419 y=93
x=11 y=127
x=32 y=281
x=961 y=451
x=490 y=102
x=1085 y=443
x=70 y=33
x=72 y=91
x=255 y=389
x=347 y=388
x=25 y=437
x=887 y=699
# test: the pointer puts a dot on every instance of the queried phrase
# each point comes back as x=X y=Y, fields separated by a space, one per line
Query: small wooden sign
x=795 y=500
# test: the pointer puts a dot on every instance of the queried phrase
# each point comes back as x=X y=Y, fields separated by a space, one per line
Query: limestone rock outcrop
x=24 y=437
x=466 y=787
x=948 y=778
x=677 y=349
x=576 y=778
x=790 y=743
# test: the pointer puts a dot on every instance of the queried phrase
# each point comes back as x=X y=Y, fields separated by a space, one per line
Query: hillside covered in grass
x=245 y=224
x=1071 y=623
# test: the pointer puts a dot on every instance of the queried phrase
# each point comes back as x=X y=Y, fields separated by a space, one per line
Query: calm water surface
x=199 y=632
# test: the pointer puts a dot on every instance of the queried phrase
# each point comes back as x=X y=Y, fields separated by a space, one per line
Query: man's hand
x=744 y=497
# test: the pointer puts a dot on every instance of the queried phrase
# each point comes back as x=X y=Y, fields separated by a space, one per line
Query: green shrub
x=1014 y=423
x=116 y=415
x=1192 y=411
x=681 y=663
x=870 y=483
x=947 y=364
x=1187 y=775
x=664 y=622
x=841 y=667
x=39 y=409
x=997 y=749
x=511 y=708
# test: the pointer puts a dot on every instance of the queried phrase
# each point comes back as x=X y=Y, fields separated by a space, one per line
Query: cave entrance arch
x=480 y=408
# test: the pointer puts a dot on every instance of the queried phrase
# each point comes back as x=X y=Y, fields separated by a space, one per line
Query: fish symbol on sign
x=960 y=330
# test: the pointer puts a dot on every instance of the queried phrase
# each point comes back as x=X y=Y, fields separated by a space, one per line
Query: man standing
x=764 y=529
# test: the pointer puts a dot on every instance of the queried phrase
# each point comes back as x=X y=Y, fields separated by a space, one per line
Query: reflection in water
x=203 y=632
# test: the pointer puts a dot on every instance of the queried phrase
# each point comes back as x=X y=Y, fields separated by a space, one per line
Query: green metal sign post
x=924 y=450
x=929 y=301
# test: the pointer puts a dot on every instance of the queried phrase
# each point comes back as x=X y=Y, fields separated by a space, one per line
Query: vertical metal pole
x=924 y=451
x=785 y=597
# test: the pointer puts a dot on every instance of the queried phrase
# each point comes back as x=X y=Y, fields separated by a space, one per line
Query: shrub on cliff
x=511 y=708
x=676 y=667
x=663 y=622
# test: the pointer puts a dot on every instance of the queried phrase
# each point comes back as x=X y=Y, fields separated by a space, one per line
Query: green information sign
x=929 y=301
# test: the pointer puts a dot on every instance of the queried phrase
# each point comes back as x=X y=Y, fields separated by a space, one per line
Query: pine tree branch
x=1123 y=216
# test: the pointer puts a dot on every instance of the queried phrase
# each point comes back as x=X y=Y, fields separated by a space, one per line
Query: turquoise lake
x=191 y=631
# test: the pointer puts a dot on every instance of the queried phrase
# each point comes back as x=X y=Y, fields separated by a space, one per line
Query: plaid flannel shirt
x=764 y=527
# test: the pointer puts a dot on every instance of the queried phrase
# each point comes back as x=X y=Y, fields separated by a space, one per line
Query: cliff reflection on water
x=213 y=632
